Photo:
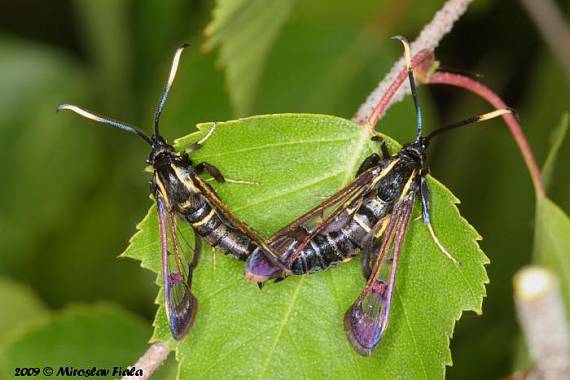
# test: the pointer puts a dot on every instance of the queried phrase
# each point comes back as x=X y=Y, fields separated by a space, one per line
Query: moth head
x=415 y=151
x=160 y=149
x=161 y=153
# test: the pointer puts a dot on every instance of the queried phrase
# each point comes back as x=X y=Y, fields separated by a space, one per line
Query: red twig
x=487 y=94
x=428 y=39
x=424 y=59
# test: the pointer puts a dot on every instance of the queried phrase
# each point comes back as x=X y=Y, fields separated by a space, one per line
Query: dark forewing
x=306 y=227
x=228 y=215
x=179 y=302
x=358 y=186
x=288 y=242
x=366 y=320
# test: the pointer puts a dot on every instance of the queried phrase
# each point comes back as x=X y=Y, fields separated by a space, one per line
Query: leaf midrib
x=409 y=326
x=348 y=174
x=339 y=305
x=277 y=145
x=287 y=192
x=282 y=325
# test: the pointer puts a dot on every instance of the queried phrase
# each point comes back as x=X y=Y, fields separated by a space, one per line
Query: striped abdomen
x=217 y=230
x=342 y=239
x=345 y=235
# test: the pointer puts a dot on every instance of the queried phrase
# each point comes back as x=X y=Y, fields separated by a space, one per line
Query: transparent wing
x=288 y=242
x=366 y=320
x=216 y=203
x=328 y=209
x=178 y=263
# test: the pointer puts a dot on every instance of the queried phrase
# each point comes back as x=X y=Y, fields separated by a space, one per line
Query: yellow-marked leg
x=213 y=258
x=440 y=246
x=200 y=143
x=241 y=181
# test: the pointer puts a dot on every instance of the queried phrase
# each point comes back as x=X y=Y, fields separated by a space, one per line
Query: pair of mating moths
x=371 y=215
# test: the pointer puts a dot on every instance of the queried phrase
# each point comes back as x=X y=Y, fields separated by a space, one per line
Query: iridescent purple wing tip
x=181 y=306
x=258 y=268
x=365 y=321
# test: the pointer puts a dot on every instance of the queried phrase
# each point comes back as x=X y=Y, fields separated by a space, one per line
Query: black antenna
x=166 y=90
x=408 y=58
x=468 y=121
x=101 y=119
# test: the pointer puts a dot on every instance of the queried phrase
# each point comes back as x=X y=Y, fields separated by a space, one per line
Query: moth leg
x=192 y=148
x=368 y=163
x=212 y=170
x=370 y=245
x=217 y=175
x=195 y=258
x=241 y=181
x=235 y=181
x=425 y=195
x=197 y=145
x=213 y=258
x=383 y=146
x=384 y=149
x=440 y=246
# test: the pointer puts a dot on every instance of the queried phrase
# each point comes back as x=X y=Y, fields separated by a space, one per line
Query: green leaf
x=552 y=243
x=25 y=307
x=552 y=226
x=552 y=250
x=558 y=137
x=101 y=336
x=551 y=237
x=245 y=31
x=294 y=328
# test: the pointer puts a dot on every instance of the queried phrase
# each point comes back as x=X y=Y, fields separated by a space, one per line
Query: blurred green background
x=72 y=193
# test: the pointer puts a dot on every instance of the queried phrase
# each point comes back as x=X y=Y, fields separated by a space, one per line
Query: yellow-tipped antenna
x=408 y=58
x=407 y=51
x=169 y=82
x=100 y=119
x=471 y=120
x=440 y=245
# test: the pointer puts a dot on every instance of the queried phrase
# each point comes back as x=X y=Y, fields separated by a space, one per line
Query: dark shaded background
x=72 y=193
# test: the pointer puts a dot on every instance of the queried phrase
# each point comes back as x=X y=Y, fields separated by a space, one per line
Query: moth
x=372 y=215
x=181 y=194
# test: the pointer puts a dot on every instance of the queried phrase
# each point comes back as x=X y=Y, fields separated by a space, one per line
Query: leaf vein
x=277 y=145
x=282 y=325
x=409 y=326
x=300 y=357
x=230 y=352
x=353 y=354
x=286 y=192
x=351 y=165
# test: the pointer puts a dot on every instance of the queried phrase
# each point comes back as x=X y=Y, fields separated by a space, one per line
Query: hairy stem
x=486 y=93
x=428 y=39
x=151 y=360
x=424 y=59
x=542 y=316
